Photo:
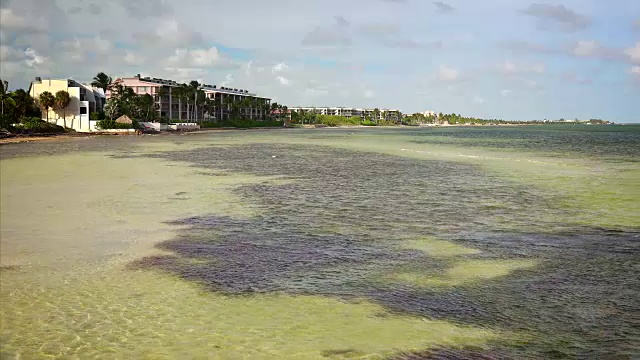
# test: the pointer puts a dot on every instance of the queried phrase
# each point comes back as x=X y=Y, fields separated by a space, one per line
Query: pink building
x=226 y=102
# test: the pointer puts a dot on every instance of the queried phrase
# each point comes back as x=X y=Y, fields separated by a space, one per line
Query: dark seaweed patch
x=336 y=231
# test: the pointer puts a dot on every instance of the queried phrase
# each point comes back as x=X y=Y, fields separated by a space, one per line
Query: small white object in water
x=273 y=156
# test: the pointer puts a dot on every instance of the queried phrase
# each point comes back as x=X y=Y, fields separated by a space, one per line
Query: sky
x=509 y=59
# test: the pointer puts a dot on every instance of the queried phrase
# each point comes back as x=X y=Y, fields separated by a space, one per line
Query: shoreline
x=26 y=138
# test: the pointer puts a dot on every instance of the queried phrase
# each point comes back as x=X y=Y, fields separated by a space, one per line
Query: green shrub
x=112 y=124
x=335 y=120
x=210 y=125
x=36 y=125
x=368 y=123
x=249 y=123
x=7 y=121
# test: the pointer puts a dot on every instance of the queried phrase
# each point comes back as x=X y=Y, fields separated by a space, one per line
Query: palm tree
x=46 y=102
x=183 y=93
x=62 y=100
x=24 y=104
x=207 y=107
x=5 y=95
x=284 y=111
x=145 y=105
x=102 y=80
x=193 y=89
x=266 y=110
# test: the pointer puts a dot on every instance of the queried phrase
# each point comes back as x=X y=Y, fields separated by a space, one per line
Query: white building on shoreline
x=382 y=114
x=84 y=100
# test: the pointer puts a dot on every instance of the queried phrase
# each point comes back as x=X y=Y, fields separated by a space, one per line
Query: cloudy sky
x=514 y=59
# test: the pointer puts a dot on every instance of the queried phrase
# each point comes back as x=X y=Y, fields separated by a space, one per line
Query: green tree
x=200 y=98
x=193 y=93
x=24 y=105
x=208 y=107
x=47 y=101
x=102 y=80
x=5 y=95
x=61 y=102
x=183 y=93
x=145 y=106
x=163 y=92
x=376 y=114
x=284 y=113
x=235 y=110
x=111 y=109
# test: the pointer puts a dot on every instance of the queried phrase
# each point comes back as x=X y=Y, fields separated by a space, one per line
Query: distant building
x=429 y=113
x=248 y=105
x=85 y=99
x=382 y=114
x=279 y=114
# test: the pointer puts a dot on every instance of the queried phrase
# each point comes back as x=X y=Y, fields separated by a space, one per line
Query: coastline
x=17 y=139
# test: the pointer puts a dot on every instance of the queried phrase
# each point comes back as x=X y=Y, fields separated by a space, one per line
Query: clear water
x=502 y=242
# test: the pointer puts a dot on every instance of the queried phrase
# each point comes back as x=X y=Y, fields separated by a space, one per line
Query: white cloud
x=634 y=53
x=538 y=68
x=369 y=94
x=133 y=59
x=227 y=80
x=73 y=50
x=279 y=67
x=585 y=48
x=505 y=92
x=447 y=73
x=33 y=58
x=510 y=68
x=195 y=57
x=101 y=45
x=11 y=21
x=169 y=33
x=283 y=80
x=182 y=74
x=635 y=71
x=316 y=92
x=8 y=53
x=477 y=99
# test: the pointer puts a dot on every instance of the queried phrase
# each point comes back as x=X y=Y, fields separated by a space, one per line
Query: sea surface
x=378 y=243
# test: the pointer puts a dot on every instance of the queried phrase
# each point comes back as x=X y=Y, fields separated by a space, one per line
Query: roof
x=124 y=119
x=278 y=111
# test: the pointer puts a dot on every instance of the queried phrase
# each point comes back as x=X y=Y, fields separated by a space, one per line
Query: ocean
x=449 y=243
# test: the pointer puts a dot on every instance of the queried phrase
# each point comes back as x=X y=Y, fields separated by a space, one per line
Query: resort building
x=374 y=114
x=226 y=101
x=85 y=99
x=173 y=105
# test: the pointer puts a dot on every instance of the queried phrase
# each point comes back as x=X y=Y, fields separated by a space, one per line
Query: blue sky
x=512 y=59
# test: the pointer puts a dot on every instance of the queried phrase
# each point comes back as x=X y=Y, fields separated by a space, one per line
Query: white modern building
x=85 y=99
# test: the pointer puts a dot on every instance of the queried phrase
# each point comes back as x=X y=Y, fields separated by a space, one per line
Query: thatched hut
x=124 y=119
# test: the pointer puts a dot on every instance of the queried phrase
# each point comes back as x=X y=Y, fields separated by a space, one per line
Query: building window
x=142 y=89
x=83 y=110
